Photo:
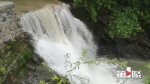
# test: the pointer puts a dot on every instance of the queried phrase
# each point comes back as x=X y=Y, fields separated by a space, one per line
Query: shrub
x=124 y=23
x=147 y=80
x=26 y=55
x=2 y=71
x=70 y=67
x=125 y=14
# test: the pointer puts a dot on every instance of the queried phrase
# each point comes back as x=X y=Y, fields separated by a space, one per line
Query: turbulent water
x=56 y=32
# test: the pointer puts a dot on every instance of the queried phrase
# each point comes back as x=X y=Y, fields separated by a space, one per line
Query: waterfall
x=55 y=33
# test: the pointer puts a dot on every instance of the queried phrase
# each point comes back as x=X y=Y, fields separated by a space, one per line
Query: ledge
x=4 y=3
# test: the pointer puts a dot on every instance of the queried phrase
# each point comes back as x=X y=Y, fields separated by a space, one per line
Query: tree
x=126 y=15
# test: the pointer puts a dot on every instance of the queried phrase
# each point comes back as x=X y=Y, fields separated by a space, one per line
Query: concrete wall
x=9 y=26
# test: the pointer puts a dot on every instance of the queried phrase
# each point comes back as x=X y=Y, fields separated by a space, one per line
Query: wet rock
x=23 y=82
x=129 y=48
x=31 y=68
x=8 y=21
x=4 y=17
x=26 y=11
x=32 y=80
x=36 y=59
x=41 y=73
x=144 y=43
x=143 y=52
x=36 y=82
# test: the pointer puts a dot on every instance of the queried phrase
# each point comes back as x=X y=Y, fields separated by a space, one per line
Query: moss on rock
x=16 y=52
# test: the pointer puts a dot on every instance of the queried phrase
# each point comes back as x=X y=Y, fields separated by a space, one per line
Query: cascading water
x=55 y=33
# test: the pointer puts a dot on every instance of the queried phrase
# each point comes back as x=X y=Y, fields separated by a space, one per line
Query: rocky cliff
x=9 y=23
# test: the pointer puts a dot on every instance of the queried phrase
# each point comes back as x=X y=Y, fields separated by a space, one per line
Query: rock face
x=130 y=48
x=9 y=22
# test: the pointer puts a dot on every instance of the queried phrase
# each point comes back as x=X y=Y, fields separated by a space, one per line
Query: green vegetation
x=2 y=71
x=70 y=67
x=20 y=47
x=14 y=56
x=42 y=82
x=122 y=64
x=26 y=55
x=21 y=72
x=126 y=16
x=56 y=79
x=147 y=80
x=124 y=24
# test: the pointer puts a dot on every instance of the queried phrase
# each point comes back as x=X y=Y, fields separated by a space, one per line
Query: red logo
x=128 y=73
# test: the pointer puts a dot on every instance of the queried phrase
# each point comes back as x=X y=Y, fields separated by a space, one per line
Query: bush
x=147 y=80
x=2 y=71
x=26 y=54
x=70 y=67
x=125 y=14
x=124 y=23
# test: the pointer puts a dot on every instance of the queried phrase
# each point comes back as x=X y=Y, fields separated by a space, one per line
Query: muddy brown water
x=22 y=6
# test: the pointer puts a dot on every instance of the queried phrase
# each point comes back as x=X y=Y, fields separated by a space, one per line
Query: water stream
x=54 y=37
x=55 y=33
